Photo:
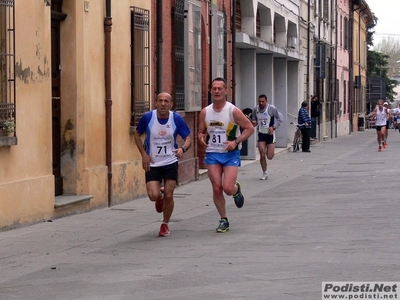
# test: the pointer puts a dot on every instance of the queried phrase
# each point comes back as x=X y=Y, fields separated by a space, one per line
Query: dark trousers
x=314 y=127
x=305 y=145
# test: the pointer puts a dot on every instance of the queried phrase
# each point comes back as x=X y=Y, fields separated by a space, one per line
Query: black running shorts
x=164 y=172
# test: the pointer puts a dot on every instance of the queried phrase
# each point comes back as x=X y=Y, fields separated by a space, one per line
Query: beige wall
x=26 y=180
x=85 y=172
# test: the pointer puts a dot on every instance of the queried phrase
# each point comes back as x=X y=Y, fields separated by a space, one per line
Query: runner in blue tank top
x=160 y=154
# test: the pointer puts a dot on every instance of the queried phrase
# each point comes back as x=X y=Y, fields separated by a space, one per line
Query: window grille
x=7 y=60
x=179 y=23
x=140 y=63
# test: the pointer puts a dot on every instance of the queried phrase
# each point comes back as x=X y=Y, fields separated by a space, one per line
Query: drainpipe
x=360 y=88
x=159 y=85
x=332 y=82
x=210 y=52
x=308 y=52
x=351 y=69
x=336 y=96
x=108 y=100
x=233 y=20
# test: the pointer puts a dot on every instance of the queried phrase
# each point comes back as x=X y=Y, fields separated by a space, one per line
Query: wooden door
x=56 y=104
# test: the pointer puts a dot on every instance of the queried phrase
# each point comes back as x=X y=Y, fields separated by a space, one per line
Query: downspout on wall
x=336 y=96
x=159 y=50
x=351 y=70
x=233 y=20
x=108 y=100
x=361 y=111
x=308 y=51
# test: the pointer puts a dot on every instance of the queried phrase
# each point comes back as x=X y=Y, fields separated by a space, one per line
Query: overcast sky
x=388 y=12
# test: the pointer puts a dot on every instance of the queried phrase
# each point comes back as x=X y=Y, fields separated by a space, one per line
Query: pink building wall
x=343 y=125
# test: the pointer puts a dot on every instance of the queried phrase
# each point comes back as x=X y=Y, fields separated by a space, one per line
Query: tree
x=391 y=47
x=387 y=54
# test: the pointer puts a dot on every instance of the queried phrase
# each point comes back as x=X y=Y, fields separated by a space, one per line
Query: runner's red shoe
x=164 y=230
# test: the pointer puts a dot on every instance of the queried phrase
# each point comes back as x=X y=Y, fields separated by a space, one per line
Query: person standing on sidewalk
x=267 y=118
x=160 y=154
x=315 y=113
x=304 y=125
x=380 y=114
x=219 y=132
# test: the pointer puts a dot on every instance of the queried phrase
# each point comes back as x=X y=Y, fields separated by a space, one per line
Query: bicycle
x=297 y=139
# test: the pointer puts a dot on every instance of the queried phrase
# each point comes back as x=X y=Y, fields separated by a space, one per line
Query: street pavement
x=328 y=215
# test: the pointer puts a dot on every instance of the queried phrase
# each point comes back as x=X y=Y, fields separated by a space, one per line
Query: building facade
x=342 y=68
x=268 y=61
x=361 y=16
x=76 y=76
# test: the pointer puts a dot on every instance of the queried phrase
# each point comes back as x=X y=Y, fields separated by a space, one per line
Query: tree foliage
x=382 y=61
x=390 y=46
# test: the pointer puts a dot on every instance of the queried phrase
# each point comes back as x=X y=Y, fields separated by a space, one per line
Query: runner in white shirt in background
x=381 y=114
x=396 y=116
x=386 y=105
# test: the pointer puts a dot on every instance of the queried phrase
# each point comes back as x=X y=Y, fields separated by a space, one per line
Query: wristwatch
x=183 y=149
x=237 y=141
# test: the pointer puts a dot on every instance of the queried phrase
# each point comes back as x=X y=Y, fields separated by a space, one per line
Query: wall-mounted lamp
x=48 y=2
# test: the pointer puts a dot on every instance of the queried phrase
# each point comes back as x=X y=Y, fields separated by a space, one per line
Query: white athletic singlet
x=381 y=117
x=396 y=111
x=221 y=127
x=263 y=119
x=162 y=141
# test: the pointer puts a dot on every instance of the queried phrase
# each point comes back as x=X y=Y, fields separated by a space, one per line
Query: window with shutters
x=221 y=57
x=258 y=24
x=341 y=32
x=346 y=32
x=193 y=87
x=238 y=17
x=326 y=10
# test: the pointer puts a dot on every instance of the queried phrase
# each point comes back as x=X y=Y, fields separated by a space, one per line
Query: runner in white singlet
x=160 y=154
x=219 y=133
x=381 y=115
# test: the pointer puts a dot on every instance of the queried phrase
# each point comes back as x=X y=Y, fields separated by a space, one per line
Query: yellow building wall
x=26 y=179
x=359 y=66
x=84 y=171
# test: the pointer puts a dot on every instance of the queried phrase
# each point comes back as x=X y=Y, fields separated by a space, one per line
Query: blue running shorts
x=228 y=159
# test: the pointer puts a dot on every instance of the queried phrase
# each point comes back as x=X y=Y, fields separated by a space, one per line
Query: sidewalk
x=328 y=215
